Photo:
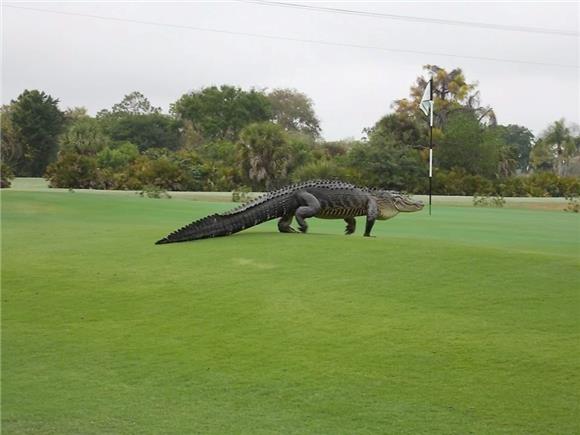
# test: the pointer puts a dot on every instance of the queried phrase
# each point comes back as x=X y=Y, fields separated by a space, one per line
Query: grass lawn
x=463 y=322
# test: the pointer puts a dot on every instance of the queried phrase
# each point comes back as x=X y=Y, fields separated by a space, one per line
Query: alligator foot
x=303 y=229
x=350 y=226
x=287 y=229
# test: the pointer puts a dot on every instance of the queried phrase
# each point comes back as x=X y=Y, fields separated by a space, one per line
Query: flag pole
x=431 y=141
x=427 y=106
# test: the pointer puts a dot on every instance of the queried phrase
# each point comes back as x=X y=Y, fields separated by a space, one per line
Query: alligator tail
x=218 y=225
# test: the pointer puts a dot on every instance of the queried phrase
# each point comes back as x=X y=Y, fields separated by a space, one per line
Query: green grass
x=463 y=322
x=532 y=203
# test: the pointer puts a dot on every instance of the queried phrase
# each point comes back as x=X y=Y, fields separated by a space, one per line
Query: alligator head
x=391 y=203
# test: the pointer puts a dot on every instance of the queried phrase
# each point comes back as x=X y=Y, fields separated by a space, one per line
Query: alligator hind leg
x=285 y=222
x=309 y=206
x=350 y=225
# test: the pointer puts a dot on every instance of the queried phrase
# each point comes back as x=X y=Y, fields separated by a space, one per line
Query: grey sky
x=93 y=62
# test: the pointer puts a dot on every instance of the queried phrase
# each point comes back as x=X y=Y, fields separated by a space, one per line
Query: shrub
x=322 y=169
x=513 y=186
x=6 y=176
x=458 y=182
x=119 y=157
x=165 y=170
x=154 y=192
x=573 y=204
x=241 y=194
x=540 y=184
x=488 y=201
x=74 y=170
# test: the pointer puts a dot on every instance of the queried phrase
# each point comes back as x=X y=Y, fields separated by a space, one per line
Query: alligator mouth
x=408 y=205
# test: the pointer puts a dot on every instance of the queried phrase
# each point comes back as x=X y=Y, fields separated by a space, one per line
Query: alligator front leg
x=350 y=225
x=285 y=222
x=309 y=206
x=372 y=215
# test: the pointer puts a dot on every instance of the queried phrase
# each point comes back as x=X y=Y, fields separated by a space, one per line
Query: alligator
x=326 y=199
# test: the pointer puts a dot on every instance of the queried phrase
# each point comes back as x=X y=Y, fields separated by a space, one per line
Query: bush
x=513 y=186
x=241 y=194
x=216 y=167
x=118 y=158
x=458 y=182
x=323 y=169
x=540 y=184
x=573 y=204
x=76 y=171
x=154 y=192
x=6 y=176
x=488 y=201
x=165 y=170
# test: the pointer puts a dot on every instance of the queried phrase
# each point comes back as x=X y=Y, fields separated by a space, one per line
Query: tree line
x=225 y=138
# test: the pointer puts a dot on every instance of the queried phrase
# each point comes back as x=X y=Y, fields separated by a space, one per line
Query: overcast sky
x=94 y=62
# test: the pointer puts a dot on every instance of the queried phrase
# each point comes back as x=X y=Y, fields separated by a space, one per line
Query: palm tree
x=558 y=136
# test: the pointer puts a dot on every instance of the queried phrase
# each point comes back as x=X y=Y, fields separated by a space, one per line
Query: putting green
x=463 y=322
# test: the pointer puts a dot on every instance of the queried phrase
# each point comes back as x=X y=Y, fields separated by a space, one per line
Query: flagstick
x=431 y=142
x=428 y=110
x=430 y=165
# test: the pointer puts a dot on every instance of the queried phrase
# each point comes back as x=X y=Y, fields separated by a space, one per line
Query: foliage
x=458 y=182
x=221 y=163
x=467 y=145
x=556 y=148
x=452 y=94
x=73 y=114
x=322 y=169
x=221 y=138
x=403 y=130
x=221 y=113
x=12 y=150
x=518 y=145
x=6 y=175
x=386 y=166
x=154 y=192
x=293 y=111
x=36 y=123
x=488 y=201
x=390 y=159
x=549 y=184
x=135 y=103
x=84 y=135
x=301 y=151
x=118 y=157
x=332 y=150
x=265 y=155
x=153 y=130
x=573 y=204
x=165 y=170
x=76 y=171
x=241 y=194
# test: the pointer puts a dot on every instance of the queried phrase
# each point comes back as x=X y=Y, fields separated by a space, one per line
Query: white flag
x=426 y=102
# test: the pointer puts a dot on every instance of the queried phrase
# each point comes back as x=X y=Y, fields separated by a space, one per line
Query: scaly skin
x=319 y=198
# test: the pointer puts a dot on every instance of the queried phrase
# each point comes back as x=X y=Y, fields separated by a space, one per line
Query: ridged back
x=218 y=225
x=269 y=206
